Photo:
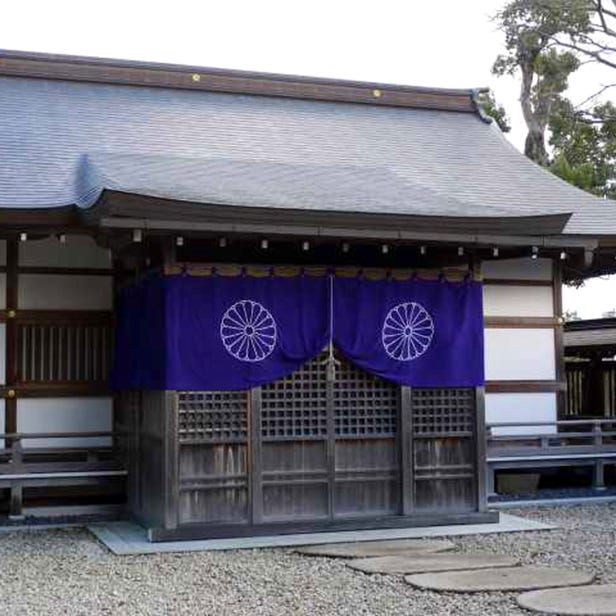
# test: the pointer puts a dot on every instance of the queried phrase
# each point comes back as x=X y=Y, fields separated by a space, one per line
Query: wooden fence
x=581 y=402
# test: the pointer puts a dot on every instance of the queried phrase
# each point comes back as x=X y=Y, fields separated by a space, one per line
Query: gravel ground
x=68 y=572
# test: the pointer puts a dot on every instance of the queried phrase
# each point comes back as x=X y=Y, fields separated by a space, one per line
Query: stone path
x=501 y=579
x=554 y=590
x=377 y=548
x=420 y=563
x=597 y=600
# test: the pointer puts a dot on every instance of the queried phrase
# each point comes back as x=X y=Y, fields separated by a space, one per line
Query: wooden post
x=10 y=403
x=331 y=450
x=16 y=501
x=406 y=450
x=171 y=462
x=480 y=450
x=559 y=344
x=255 y=470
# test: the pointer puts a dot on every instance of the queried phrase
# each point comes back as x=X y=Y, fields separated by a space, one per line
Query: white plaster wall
x=517 y=301
x=522 y=269
x=508 y=407
x=77 y=251
x=2 y=353
x=519 y=354
x=64 y=415
x=2 y=291
x=59 y=292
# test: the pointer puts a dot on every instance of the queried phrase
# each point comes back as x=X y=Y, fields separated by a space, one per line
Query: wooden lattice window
x=55 y=349
x=364 y=405
x=296 y=406
x=213 y=416
x=440 y=412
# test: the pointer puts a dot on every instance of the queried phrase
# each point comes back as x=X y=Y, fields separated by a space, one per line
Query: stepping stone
x=424 y=563
x=377 y=548
x=587 y=600
x=501 y=579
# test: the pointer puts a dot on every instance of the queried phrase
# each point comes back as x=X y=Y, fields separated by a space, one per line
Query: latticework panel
x=296 y=406
x=363 y=404
x=443 y=411
x=213 y=416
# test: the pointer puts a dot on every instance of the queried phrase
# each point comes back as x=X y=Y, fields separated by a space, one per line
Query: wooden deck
x=551 y=444
x=25 y=466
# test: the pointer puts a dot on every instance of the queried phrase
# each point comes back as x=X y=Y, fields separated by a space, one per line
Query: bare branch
x=595 y=95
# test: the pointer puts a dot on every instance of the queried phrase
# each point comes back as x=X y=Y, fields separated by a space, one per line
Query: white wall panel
x=517 y=301
x=519 y=354
x=64 y=415
x=58 y=292
x=2 y=291
x=520 y=269
x=77 y=251
x=2 y=353
x=2 y=252
x=507 y=407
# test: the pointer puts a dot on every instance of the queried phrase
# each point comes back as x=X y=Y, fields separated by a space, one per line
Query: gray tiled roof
x=590 y=337
x=62 y=143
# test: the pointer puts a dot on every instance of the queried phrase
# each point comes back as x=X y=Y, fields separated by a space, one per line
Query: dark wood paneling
x=523 y=387
x=516 y=282
x=521 y=322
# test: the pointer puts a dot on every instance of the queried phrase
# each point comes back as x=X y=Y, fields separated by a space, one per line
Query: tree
x=547 y=41
x=529 y=27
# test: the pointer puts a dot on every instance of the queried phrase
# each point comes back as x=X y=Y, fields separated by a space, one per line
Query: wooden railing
x=551 y=444
x=27 y=466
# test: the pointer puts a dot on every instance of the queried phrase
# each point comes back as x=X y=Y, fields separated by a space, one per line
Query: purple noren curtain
x=417 y=333
x=233 y=333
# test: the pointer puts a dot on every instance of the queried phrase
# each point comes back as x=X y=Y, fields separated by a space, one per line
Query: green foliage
x=584 y=144
x=494 y=110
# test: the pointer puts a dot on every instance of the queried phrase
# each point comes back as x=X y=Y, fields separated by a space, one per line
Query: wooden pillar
x=481 y=450
x=12 y=263
x=170 y=440
x=559 y=345
x=255 y=470
x=406 y=450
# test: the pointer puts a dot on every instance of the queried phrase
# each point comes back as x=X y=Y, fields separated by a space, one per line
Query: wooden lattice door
x=306 y=449
x=328 y=449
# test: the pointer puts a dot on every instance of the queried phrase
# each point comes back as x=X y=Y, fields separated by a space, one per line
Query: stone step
x=423 y=563
x=377 y=548
x=599 y=600
x=506 y=579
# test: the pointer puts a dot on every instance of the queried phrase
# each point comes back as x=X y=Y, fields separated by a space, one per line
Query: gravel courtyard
x=68 y=572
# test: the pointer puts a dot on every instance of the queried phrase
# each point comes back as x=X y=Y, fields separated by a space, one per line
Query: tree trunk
x=534 y=147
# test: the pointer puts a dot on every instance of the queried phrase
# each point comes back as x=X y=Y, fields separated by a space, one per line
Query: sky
x=450 y=43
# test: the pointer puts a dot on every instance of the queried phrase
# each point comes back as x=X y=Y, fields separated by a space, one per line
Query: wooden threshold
x=211 y=531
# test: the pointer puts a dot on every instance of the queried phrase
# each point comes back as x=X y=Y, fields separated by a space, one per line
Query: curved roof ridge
x=177 y=76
